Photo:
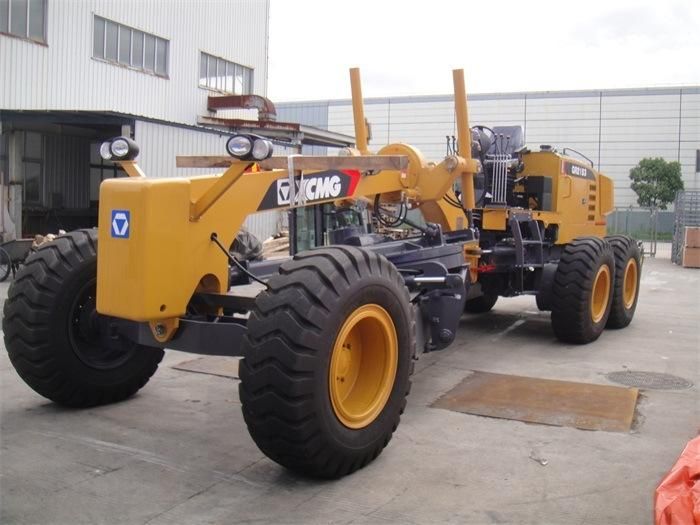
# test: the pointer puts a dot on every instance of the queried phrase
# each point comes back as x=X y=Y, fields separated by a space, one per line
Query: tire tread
x=27 y=318
x=277 y=378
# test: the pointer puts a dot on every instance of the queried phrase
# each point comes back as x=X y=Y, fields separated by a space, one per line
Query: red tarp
x=678 y=494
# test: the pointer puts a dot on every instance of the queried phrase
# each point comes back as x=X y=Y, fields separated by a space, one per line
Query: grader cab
x=329 y=338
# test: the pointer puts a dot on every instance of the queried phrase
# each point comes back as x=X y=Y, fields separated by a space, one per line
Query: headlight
x=262 y=149
x=239 y=146
x=119 y=148
x=105 y=151
x=249 y=147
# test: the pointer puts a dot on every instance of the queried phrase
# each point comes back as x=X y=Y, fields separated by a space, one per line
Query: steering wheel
x=485 y=134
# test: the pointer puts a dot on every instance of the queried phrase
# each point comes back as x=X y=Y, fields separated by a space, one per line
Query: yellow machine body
x=168 y=254
x=581 y=197
x=148 y=271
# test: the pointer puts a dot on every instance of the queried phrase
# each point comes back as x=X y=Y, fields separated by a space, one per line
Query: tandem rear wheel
x=628 y=272
x=583 y=290
x=329 y=351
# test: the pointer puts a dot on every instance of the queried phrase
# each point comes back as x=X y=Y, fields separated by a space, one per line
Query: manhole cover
x=649 y=380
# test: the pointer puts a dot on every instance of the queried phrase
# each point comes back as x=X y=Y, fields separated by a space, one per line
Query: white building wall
x=159 y=146
x=62 y=75
x=614 y=128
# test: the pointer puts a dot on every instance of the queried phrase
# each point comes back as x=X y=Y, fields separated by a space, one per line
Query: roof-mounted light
x=119 y=148
x=249 y=147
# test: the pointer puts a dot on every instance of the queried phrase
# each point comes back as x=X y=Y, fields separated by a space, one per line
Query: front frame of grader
x=171 y=223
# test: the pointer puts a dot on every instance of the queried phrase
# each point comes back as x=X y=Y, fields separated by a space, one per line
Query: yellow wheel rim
x=601 y=293
x=629 y=284
x=363 y=366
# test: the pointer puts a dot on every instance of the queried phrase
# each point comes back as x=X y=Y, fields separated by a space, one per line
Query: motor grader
x=329 y=338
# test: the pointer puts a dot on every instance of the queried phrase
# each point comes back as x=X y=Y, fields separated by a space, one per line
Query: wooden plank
x=204 y=162
x=365 y=163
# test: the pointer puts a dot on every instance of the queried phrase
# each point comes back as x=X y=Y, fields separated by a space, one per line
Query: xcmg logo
x=318 y=186
x=309 y=189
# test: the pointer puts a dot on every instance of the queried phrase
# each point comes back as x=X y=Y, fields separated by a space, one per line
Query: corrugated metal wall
x=308 y=114
x=615 y=128
x=159 y=145
x=64 y=76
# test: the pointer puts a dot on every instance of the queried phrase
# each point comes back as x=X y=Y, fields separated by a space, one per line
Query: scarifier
x=329 y=339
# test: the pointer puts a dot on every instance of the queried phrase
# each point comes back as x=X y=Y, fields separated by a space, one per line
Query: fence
x=687 y=208
x=643 y=224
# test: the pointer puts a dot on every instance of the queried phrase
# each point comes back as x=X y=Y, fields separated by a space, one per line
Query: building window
x=33 y=168
x=224 y=76
x=129 y=47
x=697 y=161
x=24 y=18
x=4 y=172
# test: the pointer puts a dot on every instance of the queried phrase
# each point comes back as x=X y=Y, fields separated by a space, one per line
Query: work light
x=249 y=147
x=239 y=146
x=119 y=148
x=262 y=149
x=105 y=153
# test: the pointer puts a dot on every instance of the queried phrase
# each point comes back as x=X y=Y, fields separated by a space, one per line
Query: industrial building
x=75 y=73
x=614 y=128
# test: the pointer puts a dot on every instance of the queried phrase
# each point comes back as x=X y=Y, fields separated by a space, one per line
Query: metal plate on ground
x=214 y=365
x=545 y=401
x=649 y=380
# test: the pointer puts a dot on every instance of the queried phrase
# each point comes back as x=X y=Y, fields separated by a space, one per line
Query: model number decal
x=576 y=170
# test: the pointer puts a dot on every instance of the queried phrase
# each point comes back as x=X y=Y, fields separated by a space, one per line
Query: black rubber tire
x=572 y=290
x=284 y=388
x=37 y=321
x=624 y=249
x=5 y=265
x=480 y=305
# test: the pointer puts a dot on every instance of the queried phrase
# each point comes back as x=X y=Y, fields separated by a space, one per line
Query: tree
x=656 y=182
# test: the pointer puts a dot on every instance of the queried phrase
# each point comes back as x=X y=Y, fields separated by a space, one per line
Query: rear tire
x=480 y=305
x=628 y=271
x=52 y=330
x=297 y=407
x=582 y=290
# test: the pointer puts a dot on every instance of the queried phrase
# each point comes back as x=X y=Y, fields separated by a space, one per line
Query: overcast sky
x=409 y=47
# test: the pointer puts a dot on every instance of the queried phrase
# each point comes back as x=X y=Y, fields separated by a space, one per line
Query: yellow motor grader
x=329 y=341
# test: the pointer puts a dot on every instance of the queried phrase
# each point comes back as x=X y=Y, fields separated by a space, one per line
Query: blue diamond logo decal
x=120 y=224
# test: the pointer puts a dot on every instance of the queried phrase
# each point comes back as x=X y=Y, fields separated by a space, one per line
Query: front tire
x=328 y=355
x=480 y=305
x=582 y=290
x=628 y=271
x=54 y=336
x=5 y=265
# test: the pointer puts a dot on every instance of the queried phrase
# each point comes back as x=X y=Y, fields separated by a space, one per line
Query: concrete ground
x=179 y=452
